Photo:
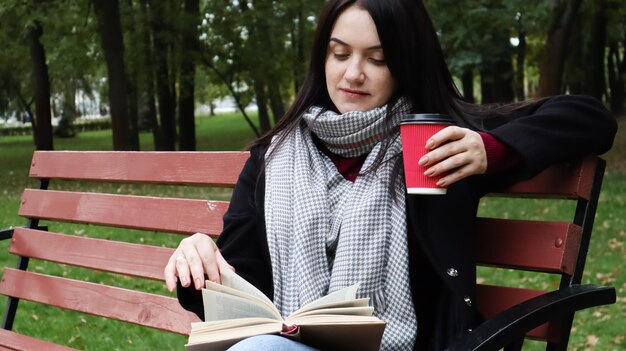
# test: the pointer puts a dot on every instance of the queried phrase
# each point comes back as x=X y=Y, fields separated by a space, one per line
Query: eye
x=378 y=62
x=341 y=57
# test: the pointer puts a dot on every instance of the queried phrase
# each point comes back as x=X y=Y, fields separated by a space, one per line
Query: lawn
x=597 y=329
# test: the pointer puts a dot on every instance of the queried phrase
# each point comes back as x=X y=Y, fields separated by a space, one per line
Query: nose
x=354 y=72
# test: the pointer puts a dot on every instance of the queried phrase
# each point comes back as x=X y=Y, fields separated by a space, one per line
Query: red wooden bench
x=555 y=248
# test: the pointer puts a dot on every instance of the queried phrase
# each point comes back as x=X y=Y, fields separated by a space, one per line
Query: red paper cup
x=415 y=130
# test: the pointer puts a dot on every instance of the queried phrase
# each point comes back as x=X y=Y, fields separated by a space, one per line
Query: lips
x=354 y=93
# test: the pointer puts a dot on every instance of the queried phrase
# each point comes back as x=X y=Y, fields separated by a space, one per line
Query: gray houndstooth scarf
x=325 y=232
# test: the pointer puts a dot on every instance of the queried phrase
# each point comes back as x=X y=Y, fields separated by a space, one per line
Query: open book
x=237 y=310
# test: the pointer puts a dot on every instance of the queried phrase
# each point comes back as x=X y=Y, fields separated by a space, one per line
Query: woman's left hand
x=456 y=153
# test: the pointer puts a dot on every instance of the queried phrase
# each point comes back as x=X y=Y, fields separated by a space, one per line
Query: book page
x=345 y=294
x=233 y=280
x=220 y=306
x=353 y=311
x=364 y=302
x=318 y=319
x=212 y=326
x=223 y=339
x=253 y=298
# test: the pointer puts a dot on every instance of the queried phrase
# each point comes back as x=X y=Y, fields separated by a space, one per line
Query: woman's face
x=357 y=77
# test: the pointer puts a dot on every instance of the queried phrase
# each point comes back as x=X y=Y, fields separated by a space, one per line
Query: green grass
x=596 y=329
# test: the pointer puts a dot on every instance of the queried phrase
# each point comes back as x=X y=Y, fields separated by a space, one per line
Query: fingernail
x=429 y=144
x=184 y=282
x=441 y=182
x=198 y=284
x=423 y=161
x=429 y=172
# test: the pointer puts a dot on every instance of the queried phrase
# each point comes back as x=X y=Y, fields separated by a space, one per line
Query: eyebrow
x=375 y=47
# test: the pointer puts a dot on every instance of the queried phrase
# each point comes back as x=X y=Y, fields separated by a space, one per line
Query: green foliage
x=468 y=29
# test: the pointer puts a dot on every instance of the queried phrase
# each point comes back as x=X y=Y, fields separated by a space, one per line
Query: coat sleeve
x=243 y=241
x=554 y=130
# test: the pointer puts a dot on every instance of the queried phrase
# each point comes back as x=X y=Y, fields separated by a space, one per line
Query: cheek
x=388 y=84
x=331 y=72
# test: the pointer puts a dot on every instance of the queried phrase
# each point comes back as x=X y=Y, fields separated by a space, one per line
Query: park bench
x=557 y=248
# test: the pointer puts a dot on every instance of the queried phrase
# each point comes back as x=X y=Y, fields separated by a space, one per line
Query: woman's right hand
x=195 y=256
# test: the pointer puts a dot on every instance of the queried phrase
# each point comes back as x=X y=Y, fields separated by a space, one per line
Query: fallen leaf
x=592 y=340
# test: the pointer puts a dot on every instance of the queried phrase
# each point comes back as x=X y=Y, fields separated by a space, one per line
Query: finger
x=448 y=165
x=195 y=264
x=443 y=136
x=208 y=259
x=221 y=262
x=182 y=269
x=454 y=176
x=442 y=153
x=169 y=273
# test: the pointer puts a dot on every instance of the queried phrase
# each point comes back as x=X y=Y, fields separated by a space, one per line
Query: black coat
x=440 y=228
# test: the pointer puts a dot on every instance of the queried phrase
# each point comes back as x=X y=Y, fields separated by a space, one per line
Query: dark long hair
x=412 y=53
x=414 y=58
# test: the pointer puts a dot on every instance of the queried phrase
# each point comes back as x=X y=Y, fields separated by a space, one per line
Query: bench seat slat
x=491 y=300
x=155 y=311
x=531 y=245
x=185 y=216
x=200 y=168
x=135 y=260
x=18 y=342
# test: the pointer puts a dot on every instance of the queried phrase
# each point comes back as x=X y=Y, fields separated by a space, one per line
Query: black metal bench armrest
x=6 y=233
x=513 y=323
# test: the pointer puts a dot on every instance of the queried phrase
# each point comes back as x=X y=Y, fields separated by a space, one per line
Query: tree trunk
x=467 y=79
x=188 y=56
x=299 y=66
x=276 y=100
x=66 y=129
x=594 y=81
x=133 y=66
x=42 y=121
x=110 y=28
x=497 y=71
x=261 y=102
x=617 y=79
x=521 y=60
x=148 y=112
x=162 y=73
x=553 y=60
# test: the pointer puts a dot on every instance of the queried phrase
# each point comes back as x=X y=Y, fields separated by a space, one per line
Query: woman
x=320 y=204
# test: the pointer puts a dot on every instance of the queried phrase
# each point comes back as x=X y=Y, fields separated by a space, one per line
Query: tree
x=564 y=13
x=110 y=28
x=188 y=56
x=42 y=121
x=145 y=76
x=161 y=18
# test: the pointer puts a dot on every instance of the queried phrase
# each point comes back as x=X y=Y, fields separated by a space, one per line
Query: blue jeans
x=270 y=343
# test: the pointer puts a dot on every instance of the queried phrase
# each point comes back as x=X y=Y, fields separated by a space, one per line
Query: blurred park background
x=213 y=75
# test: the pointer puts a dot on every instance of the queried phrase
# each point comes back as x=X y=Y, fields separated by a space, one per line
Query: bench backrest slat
x=19 y=342
x=135 y=260
x=492 y=300
x=156 y=311
x=204 y=168
x=570 y=180
x=186 y=216
x=529 y=245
